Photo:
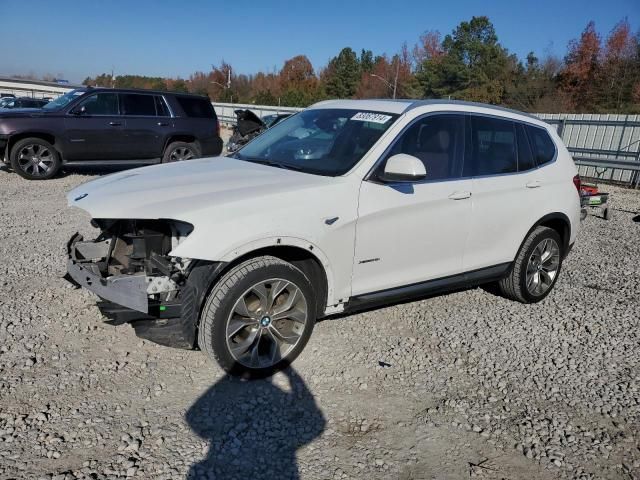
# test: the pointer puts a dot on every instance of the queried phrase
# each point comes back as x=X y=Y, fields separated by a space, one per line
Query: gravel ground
x=465 y=385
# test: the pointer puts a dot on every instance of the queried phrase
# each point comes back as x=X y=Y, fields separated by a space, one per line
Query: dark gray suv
x=99 y=125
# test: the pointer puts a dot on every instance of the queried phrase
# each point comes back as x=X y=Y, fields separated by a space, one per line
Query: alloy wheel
x=35 y=159
x=266 y=323
x=543 y=266
x=181 y=153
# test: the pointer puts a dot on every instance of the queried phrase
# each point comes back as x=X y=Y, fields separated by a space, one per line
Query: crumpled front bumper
x=83 y=269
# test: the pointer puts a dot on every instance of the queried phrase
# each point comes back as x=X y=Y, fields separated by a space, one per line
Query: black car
x=99 y=125
x=21 y=102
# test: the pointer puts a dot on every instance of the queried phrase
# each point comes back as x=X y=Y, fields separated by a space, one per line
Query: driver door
x=408 y=233
x=95 y=130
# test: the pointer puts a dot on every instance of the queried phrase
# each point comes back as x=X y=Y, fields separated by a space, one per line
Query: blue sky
x=172 y=38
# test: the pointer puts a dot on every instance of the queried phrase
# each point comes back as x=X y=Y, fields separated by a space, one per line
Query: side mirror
x=79 y=111
x=403 y=168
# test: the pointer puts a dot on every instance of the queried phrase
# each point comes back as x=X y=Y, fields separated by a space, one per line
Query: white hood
x=179 y=190
x=236 y=207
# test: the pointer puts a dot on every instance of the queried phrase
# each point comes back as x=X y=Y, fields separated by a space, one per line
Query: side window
x=134 y=104
x=161 y=107
x=543 y=147
x=493 y=147
x=196 y=107
x=101 y=104
x=438 y=141
x=525 y=158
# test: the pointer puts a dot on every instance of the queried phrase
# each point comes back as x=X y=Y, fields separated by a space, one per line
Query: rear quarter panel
x=562 y=193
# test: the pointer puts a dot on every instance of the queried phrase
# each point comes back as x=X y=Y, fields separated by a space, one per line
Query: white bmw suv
x=346 y=205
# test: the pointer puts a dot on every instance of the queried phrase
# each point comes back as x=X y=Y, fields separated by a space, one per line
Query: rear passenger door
x=505 y=190
x=148 y=124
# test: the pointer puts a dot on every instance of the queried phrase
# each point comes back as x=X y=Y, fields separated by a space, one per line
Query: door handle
x=534 y=184
x=115 y=124
x=162 y=124
x=460 y=195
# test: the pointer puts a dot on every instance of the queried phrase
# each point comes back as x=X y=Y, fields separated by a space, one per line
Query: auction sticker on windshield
x=371 y=117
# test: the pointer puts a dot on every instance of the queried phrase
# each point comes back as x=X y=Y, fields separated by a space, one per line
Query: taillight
x=577 y=183
x=217 y=127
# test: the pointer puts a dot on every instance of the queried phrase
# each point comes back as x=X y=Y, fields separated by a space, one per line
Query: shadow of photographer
x=254 y=428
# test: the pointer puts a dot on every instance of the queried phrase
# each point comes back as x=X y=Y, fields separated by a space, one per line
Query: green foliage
x=474 y=66
x=366 y=61
x=294 y=97
x=265 y=97
x=178 y=86
x=343 y=74
x=596 y=75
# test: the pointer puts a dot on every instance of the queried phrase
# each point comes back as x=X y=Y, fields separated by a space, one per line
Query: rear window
x=541 y=144
x=196 y=107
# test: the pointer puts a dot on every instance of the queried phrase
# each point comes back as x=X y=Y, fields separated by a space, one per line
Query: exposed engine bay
x=129 y=263
x=248 y=126
x=129 y=267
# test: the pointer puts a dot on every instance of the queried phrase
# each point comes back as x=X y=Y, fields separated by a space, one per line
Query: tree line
x=598 y=74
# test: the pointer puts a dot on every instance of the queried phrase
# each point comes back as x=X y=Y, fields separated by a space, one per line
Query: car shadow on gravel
x=254 y=428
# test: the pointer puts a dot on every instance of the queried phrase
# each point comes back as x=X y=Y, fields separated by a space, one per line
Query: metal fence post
x=637 y=173
x=561 y=124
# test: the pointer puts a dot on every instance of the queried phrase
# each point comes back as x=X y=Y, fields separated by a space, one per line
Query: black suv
x=99 y=125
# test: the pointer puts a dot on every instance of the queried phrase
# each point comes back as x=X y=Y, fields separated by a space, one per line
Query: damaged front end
x=129 y=267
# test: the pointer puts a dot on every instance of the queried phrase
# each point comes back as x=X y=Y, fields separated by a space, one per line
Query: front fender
x=238 y=251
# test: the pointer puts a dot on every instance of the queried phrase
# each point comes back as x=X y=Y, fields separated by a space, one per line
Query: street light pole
x=395 y=83
x=391 y=86
x=394 y=87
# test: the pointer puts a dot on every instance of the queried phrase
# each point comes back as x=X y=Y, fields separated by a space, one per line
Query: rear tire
x=34 y=159
x=258 y=317
x=536 y=267
x=179 y=151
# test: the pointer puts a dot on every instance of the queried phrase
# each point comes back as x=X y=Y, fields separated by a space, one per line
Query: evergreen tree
x=343 y=74
x=473 y=65
x=366 y=61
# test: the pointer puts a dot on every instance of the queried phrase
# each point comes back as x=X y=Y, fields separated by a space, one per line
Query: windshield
x=63 y=100
x=320 y=141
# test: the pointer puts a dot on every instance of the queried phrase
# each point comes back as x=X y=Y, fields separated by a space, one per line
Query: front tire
x=536 y=267
x=179 y=151
x=34 y=159
x=258 y=317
